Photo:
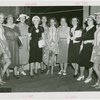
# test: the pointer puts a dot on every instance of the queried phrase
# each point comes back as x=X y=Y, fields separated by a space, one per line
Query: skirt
x=63 y=51
x=73 y=52
x=85 y=56
x=35 y=53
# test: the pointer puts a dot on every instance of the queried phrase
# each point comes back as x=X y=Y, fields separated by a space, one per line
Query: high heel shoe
x=88 y=80
x=75 y=75
x=95 y=85
x=8 y=78
x=16 y=76
x=64 y=73
x=61 y=72
x=42 y=71
x=80 y=78
x=1 y=83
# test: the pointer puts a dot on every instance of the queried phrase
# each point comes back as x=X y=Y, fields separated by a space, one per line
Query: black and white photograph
x=49 y=49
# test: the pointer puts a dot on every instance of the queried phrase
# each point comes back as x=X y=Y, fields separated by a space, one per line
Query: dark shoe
x=8 y=78
x=35 y=73
x=31 y=76
x=16 y=76
x=42 y=71
x=75 y=75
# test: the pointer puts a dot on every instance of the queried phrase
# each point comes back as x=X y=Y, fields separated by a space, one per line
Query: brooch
x=37 y=30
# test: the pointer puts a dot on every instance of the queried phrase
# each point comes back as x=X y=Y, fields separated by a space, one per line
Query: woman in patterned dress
x=52 y=44
x=95 y=58
x=64 y=35
x=24 y=51
x=4 y=52
x=12 y=34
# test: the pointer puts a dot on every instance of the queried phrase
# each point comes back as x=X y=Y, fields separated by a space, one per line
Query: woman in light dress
x=95 y=58
x=24 y=51
x=12 y=34
x=52 y=44
x=4 y=52
x=64 y=38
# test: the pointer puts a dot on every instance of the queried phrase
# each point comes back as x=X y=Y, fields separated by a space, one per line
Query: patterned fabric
x=96 y=48
x=12 y=36
x=24 y=51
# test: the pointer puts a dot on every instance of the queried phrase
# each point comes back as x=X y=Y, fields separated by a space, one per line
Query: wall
x=95 y=9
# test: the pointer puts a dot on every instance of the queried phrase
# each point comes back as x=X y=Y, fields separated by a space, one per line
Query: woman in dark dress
x=86 y=52
x=35 y=53
x=74 y=45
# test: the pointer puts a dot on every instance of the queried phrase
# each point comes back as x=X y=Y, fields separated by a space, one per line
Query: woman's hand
x=72 y=38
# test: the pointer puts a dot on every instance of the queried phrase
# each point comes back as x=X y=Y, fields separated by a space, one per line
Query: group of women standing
x=47 y=44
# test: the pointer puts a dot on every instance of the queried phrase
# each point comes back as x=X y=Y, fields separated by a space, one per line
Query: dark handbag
x=19 y=42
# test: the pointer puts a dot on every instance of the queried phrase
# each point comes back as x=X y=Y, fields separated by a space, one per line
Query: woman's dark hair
x=78 y=21
x=94 y=22
x=65 y=19
x=41 y=19
x=14 y=20
x=53 y=18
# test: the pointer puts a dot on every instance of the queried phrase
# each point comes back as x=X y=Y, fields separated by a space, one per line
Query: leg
x=96 y=69
x=6 y=66
x=62 y=69
x=42 y=66
x=73 y=64
x=22 y=70
x=31 y=69
x=65 y=67
x=36 y=67
x=8 y=74
x=89 y=78
x=53 y=61
x=96 y=84
x=1 y=83
x=81 y=77
x=15 y=72
x=49 y=63
x=76 y=69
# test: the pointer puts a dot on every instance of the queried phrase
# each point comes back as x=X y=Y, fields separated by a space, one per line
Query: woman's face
x=36 y=21
x=90 y=21
x=74 y=21
x=44 y=19
x=1 y=19
x=63 y=22
x=10 y=20
x=52 y=22
x=22 y=19
x=98 y=19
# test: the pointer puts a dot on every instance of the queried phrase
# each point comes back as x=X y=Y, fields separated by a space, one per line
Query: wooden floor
x=49 y=83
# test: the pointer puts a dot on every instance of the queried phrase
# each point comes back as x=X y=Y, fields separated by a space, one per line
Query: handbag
x=19 y=41
x=41 y=43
